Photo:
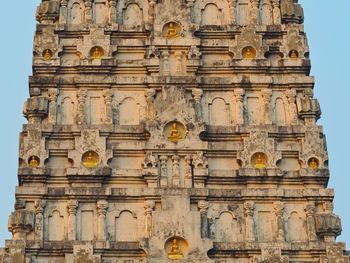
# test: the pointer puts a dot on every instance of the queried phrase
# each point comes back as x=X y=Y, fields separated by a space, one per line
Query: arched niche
x=75 y=12
x=100 y=12
x=296 y=227
x=280 y=112
x=129 y=112
x=67 y=111
x=219 y=112
x=55 y=225
x=180 y=242
x=132 y=15
x=259 y=160
x=211 y=15
x=126 y=226
x=226 y=226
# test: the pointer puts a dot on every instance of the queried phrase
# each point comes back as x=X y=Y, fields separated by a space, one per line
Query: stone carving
x=194 y=53
x=308 y=108
x=310 y=221
x=266 y=109
x=292 y=12
x=81 y=96
x=108 y=98
x=150 y=109
x=150 y=161
x=112 y=4
x=48 y=12
x=88 y=11
x=163 y=171
x=328 y=224
x=35 y=109
x=203 y=209
x=21 y=223
x=39 y=219
x=102 y=207
x=199 y=160
x=53 y=94
x=279 y=208
x=166 y=63
x=188 y=171
x=83 y=253
x=152 y=52
x=63 y=12
x=72 y=207
x=239 y=107
x=249 y=221
x=334 y=255
x=254 y=11
x=149 y=206
x=271 y=255
x=291 y=96
x=176 y=171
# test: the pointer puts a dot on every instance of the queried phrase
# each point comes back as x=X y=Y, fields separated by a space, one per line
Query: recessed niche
x=171 y=30
x=90 y=159
x=96 y=52
x=176 y=248
x=313 y=163
x=47 y=54
x=293 y=54
x=259 y=160
x=249 y=53
x=33 y=161
x=175 y=131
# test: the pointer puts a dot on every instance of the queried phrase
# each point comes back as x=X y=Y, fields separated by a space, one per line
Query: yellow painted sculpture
x=294 y=55
x=97 y=53
x=175 y=251
x=249 y=53
x=171 y=31
x=260 y=163
x=47 y=54
x=33 y=162
x=174 y=134
x=90 y=161
x=313 y=163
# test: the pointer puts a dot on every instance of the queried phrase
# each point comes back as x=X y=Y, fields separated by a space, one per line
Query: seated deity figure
x=175 y=251
x=313 y=164
x=172 y=31
x=33 y=162
x=90 y=161
x=97 y=53
x=174 y=133
x=260 y=163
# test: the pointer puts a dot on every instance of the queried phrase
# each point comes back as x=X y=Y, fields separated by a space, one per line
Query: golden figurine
x=174 y=134
x=313 y=163
x=171 y=31
x=249 y=53
x=90 y=161
x=294 y=55
x=175 y=251
x=47 y=54
x=33 y=162
x=260 y=163
x=97 y=53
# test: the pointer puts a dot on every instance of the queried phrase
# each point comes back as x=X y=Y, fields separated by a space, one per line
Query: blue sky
x=326 y=23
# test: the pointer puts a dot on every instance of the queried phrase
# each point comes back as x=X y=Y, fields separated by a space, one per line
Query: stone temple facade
x=172 y=130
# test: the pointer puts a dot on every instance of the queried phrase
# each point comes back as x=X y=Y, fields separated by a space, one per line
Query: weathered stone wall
x=186 y=122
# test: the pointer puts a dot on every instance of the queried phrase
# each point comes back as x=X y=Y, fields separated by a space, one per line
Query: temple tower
x=172 y=130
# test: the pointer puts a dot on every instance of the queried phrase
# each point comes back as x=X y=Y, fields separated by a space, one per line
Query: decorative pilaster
x=88 y=11
x=266 y=111
x=310 y=221
x=150 y=109
x=203 y=210
x=197 y=96
x=166 y=65
x=81 y=96
x=102 y=207
x=112 y=4
x=249 y=221
x=108 y=98
x=63 y=12
x=254 y=12
x=291 y=95
x=176 y=171
x=279 y=208
x=276 y=12
x=239 y=112
x=151 y=11
x=39 y=219
x=163 y=171
x=188 y=171
x=53 y=94
x=72 y=207
x=178 y=63
x=149 y=206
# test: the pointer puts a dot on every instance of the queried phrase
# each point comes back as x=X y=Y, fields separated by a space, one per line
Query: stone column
x=249 y=221
x=149 y=206
x=176 y=171
x=53 y=94
x=150 y=109
x=63 y=12
x=166 y=65
x=254 y=12
x=39 y=219
x=72 y=207
x=102 y=207
x=108 y=98
x=266 y=111
x=178 y=63
x=163 y=171
x=88 y=11
x=310 y=221
x=197 y=96
x=291 y=95
x=188 y=171
x=276 y=12
x=81 y=96
x=279 y=208
x=239 y=99
x=112 y=4
x=203 y=209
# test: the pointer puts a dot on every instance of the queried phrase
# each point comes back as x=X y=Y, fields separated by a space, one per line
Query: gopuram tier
x=172 y=130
